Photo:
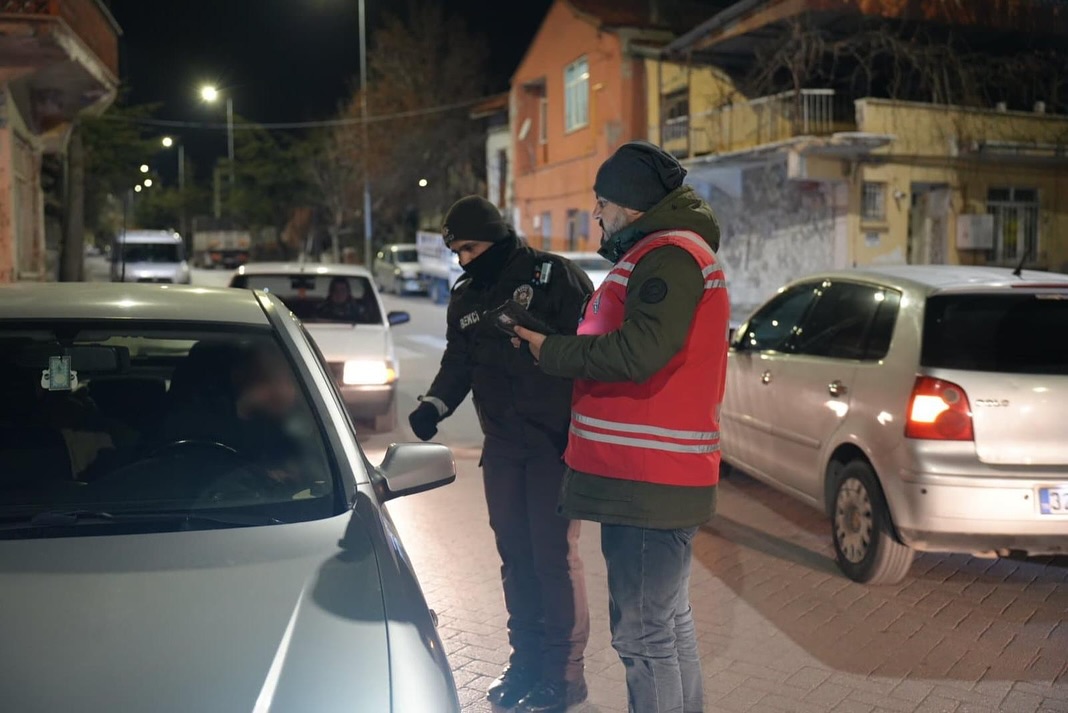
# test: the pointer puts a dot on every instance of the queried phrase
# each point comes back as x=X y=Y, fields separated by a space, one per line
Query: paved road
x=780 y=629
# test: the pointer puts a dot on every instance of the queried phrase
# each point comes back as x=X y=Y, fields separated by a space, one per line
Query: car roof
x=296 y=268
x=936 y=278
x=118 y=300
x=581 y=256
x=400 y=246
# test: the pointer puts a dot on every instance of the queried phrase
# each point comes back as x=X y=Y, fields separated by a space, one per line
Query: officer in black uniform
x=525 y=416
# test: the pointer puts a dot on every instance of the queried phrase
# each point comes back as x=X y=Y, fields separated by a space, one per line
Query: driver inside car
x=340 y=305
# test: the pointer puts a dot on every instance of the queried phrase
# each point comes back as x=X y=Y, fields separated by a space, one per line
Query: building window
x=546 y=230
x=578 y=228
x=676 y=111
x=543 y=121
x=577 y=94
x=873 y=201
x=1015 y=212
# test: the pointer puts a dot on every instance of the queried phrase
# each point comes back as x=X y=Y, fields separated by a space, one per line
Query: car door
x=811 y=382
x=747 y=414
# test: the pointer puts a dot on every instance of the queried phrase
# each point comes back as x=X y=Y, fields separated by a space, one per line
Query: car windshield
x=342 y=299
x=996 y=333
x=150 y=252
x=115 y=419
x=407 y=255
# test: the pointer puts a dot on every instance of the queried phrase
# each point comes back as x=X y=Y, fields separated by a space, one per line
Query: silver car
x=922 y=408
x=187 y=522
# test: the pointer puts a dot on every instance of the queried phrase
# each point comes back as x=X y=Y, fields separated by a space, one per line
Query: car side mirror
x=395 y=318
x=410 y=468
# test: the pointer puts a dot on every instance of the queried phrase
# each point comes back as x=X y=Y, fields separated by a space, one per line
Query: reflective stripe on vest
x=644 y=436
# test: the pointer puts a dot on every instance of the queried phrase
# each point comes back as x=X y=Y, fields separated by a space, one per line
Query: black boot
x=553 y=696
x=514 y=683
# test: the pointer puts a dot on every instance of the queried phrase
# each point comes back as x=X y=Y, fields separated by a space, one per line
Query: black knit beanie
x=638 y=176
x=475 y=218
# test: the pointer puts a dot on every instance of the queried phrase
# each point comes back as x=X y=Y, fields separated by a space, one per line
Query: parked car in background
x=357 y=342
x=921 y=407
x=187 y=521
x=592 y=264
x=396 y=270
x=149 y=256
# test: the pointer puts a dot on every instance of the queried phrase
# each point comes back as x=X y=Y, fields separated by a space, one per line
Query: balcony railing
x=766 y=120
x=86 y=18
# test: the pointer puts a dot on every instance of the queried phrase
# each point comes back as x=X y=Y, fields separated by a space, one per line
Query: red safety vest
x=665 y=430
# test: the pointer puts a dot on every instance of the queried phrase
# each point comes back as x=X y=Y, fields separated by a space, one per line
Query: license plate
x=1053 y=501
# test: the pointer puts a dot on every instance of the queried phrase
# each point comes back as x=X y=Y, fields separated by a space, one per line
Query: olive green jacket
x=651 y=335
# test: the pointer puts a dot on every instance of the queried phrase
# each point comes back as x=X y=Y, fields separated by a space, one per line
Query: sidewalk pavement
x=780 y=629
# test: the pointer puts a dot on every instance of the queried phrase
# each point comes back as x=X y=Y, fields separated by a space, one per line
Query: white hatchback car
x=922 y=407
x=356 y=339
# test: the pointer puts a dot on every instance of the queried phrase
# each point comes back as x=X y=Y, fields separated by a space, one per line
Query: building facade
x=59 y=59
x=579 y=92
x=823 y=176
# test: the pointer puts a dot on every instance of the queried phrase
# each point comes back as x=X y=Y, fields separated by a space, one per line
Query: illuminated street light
x=144 y=168
x=167 y=142
x=210 y=94
x=137 y=189
x=148 y=183
x=422 y=183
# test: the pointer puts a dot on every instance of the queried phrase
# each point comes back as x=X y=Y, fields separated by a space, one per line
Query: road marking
x=428 y=340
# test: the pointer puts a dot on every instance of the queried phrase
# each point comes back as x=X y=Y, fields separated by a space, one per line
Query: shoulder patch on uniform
x=653 y=290
x=523 y=294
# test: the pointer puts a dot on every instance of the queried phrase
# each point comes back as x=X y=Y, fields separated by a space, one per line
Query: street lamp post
x=210 y=94
x=168 y=142
x=363 y=124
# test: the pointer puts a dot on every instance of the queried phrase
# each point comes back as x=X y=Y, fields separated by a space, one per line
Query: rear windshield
x=320 y=298
x=407 y=256
x=1012 y=333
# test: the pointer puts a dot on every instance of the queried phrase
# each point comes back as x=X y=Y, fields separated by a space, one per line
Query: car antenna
x=1018 y=272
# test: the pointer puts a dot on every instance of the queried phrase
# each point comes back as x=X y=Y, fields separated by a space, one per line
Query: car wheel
x=387 y=421
x=864 y=542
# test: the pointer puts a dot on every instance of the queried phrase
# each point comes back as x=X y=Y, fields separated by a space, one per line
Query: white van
x=149 y=256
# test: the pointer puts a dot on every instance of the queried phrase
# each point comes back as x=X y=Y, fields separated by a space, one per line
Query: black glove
x=424 y=421
x=512 y=314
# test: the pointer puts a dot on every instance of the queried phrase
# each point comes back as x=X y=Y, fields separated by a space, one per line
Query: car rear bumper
x=966 y=514
x=368 y=401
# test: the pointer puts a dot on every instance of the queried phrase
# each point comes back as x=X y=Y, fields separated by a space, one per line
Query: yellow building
x=820 y=178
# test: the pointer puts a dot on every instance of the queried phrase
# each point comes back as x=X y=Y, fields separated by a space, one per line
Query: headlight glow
x=368 y=373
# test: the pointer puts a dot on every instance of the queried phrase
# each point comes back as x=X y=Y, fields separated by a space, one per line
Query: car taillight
x=939 y=411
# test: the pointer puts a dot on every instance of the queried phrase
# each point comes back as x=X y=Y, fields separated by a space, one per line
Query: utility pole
x=363 y=123
x=230 y=137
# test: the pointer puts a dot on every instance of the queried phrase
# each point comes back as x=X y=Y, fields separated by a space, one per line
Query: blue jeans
x=652 y=623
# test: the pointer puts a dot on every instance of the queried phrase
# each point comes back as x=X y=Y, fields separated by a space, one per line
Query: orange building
x=579 y=92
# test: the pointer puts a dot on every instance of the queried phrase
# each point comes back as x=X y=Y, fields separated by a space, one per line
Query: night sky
x=282 y=60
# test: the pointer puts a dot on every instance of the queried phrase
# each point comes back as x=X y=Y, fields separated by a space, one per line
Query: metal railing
x=747 y=124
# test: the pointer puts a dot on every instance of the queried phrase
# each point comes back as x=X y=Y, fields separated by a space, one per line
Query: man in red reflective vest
x=649 y=364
